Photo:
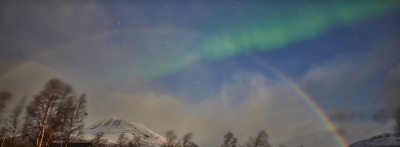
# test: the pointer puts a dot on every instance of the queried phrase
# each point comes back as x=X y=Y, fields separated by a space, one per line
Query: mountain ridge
x=113 y=127
x=383 y=140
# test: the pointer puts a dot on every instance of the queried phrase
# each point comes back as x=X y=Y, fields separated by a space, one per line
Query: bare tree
x=14 y=122
x=262 y=139
x=137 y=141
x=24 y=133
x=66 y=93
x=80 y=138
x=122 y=140
x=45 y=111
x=4 y=98
x=98 y=140
x=250 y=142
x=191 y=144
x=75 y=112
x=230 y=140
x=171 y=136
x=131 y=143
x=3 y=132
x=398 y=121
x=186 y=139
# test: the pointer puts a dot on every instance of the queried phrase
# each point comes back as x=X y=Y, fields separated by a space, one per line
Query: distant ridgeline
x=384 y=140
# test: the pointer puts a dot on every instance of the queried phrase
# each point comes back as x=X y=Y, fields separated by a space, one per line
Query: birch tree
x=98 y=140
x=122 y=140
x=398 y=121
x=45 y=110
x=5 y=97
x=73 y=118
x=14 y=122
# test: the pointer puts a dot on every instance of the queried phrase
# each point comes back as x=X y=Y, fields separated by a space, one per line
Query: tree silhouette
x=230 y=140
x=186 y=138
x=4 y=98
x=130 y=144
x=171 y=136
x=98 y=140
x=43 y=112
x=75 y=112
x=14 y=122
x=47 y=112
x=262 y=139
x=135 y=142
x=122 y=140
x=398 y=121
x=191 y=144
x=250 y=142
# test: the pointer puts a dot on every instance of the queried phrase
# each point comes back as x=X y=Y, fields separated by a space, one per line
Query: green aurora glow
x=267 y=32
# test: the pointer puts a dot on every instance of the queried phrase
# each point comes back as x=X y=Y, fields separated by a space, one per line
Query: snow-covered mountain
x=113 y=127
x=384 y=140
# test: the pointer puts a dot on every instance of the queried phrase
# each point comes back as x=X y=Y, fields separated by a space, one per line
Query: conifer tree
x=230 y=140
x=262 y=139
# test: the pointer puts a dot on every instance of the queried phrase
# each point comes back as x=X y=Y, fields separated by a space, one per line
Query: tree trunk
x=3 y=140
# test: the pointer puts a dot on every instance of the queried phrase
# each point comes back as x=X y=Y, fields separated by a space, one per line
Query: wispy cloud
x=389 y=95
x=343 y=114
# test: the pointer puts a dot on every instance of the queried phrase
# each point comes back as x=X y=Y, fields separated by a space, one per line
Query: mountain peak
x=113 y=118
x=113 y=126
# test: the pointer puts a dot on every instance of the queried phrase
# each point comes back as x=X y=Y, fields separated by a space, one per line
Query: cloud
x=351 y=81
x=390 y=95
x=25 y=79
x=106 y=69
x=343 y=114
x=245 y=104
x=29 y=29
x=348 y=84
x=265 y=104
x=355 y=131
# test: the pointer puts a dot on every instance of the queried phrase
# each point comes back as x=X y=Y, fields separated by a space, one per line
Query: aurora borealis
x=252 y=32
x=209 y=67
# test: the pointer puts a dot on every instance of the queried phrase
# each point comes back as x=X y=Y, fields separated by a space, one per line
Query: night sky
x=209 y=67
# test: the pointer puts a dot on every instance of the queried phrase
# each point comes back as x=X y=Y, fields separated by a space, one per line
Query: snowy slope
x=384 y=140
x=113 y=127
